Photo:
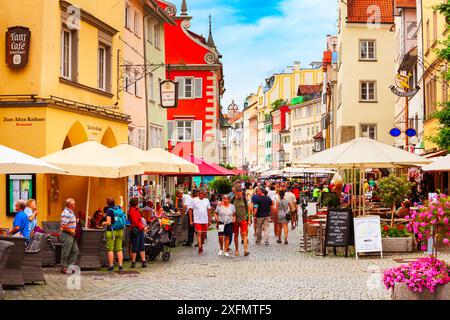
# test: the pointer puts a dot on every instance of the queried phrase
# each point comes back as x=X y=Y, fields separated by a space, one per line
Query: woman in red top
x=137 y=233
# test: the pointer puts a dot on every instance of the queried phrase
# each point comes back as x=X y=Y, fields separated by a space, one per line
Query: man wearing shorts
x=199 y=211
x=242 y=221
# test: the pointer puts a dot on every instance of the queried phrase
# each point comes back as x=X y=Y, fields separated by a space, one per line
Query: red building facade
x=194 y=63
x=280 y=130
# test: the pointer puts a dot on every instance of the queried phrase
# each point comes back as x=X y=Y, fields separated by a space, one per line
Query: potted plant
x=396 y=238
x=426 y=278
x=221 y=185
x=393 y=190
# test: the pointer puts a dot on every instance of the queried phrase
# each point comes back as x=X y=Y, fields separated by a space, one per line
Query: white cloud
x=251 y=50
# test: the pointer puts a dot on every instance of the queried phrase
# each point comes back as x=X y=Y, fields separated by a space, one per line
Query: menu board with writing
x=339 y=230
x=368 y=235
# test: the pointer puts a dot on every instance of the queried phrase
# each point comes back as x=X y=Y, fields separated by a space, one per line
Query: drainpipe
x=147 y=138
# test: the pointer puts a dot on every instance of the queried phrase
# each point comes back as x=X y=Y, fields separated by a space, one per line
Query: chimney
x=296 y=65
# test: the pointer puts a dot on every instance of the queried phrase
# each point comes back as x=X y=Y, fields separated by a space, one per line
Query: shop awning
x=239 y=172
x=207 y=168
x=91 y=159
x=13 y=161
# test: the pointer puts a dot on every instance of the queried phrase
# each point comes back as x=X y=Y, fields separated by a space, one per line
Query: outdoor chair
x=51 y=227
x=32 y=261
x=49 y=251
x=126 y=243
x=12 y=274
x=89 y=249
x=5 y=249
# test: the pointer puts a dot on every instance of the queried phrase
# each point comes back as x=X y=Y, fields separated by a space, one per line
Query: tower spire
x=184 y=8
x=210 y=42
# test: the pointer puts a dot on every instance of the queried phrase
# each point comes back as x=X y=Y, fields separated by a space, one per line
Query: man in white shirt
x=199 y=211
x=293 y=202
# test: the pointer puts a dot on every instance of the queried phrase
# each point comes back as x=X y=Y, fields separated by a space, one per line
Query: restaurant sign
x=17 y=47
x=169 y=94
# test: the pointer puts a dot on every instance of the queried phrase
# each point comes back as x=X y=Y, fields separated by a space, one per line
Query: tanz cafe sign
x=17 y=47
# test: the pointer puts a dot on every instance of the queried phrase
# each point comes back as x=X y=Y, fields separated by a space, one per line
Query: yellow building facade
x=366 y=70
x=282 y=85
x=64 y=95
x=434 y=30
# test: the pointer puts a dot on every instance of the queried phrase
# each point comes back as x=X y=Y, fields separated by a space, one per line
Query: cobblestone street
x=277 y=271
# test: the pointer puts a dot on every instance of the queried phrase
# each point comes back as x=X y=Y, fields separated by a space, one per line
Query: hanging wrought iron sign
x=402 y=87
x=17 y=47
x=169 y=94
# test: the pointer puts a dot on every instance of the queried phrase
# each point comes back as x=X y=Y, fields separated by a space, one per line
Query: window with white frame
x=189 y=88
x=151 y=91
x=102 y=67
x=184 y=130
x=137 y=24
x=367 y=91
x=128 y=16
x=157 y=28
x=367 y=50
x=141 y=138
x=149 y=28
x=137 y=88
x=127 y=84
x=66 y=54
x=155 y=137
x=369 y=131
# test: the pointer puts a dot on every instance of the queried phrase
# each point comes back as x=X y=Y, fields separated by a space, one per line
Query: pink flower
x=445 y=241
x=423 y=247
x=445 y=220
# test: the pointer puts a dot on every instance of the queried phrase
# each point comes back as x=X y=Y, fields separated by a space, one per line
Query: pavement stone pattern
x=276 y=271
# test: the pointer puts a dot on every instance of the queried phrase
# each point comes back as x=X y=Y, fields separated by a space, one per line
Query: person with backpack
x=242 y=220
x=115 y=225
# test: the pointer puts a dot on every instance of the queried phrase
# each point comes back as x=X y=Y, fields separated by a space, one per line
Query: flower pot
x=397 y=245
x=402 y=292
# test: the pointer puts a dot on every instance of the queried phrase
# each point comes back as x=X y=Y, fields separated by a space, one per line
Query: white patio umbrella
x=149 y=162
x=292 y=171
x=174 y=163
x=442 y=164
x=12 y=161
x=91 y=159
x=362 y=153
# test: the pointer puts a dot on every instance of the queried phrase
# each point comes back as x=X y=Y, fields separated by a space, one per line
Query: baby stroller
x=158 y=239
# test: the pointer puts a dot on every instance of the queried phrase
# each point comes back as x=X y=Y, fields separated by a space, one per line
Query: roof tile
x=405 y=3
x=363 y=11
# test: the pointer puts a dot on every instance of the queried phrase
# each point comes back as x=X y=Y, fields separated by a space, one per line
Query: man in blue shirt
x=20 y=224
x=262 y=208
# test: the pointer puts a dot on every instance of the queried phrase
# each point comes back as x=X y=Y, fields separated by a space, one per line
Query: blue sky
x=256 y=37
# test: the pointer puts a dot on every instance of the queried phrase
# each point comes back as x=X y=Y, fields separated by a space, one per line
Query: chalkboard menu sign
x=339 y=230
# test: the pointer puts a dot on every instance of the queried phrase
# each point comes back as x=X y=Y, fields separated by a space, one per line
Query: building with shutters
x=432 y=29
x=193 y=62
x=366 y=70
x=62 y=94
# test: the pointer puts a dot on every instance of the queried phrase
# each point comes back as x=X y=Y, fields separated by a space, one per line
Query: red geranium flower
x=386 y=228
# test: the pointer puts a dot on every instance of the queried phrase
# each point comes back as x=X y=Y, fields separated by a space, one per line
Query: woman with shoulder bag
x=225 y=214
x=137 y=233
x=283 y=217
